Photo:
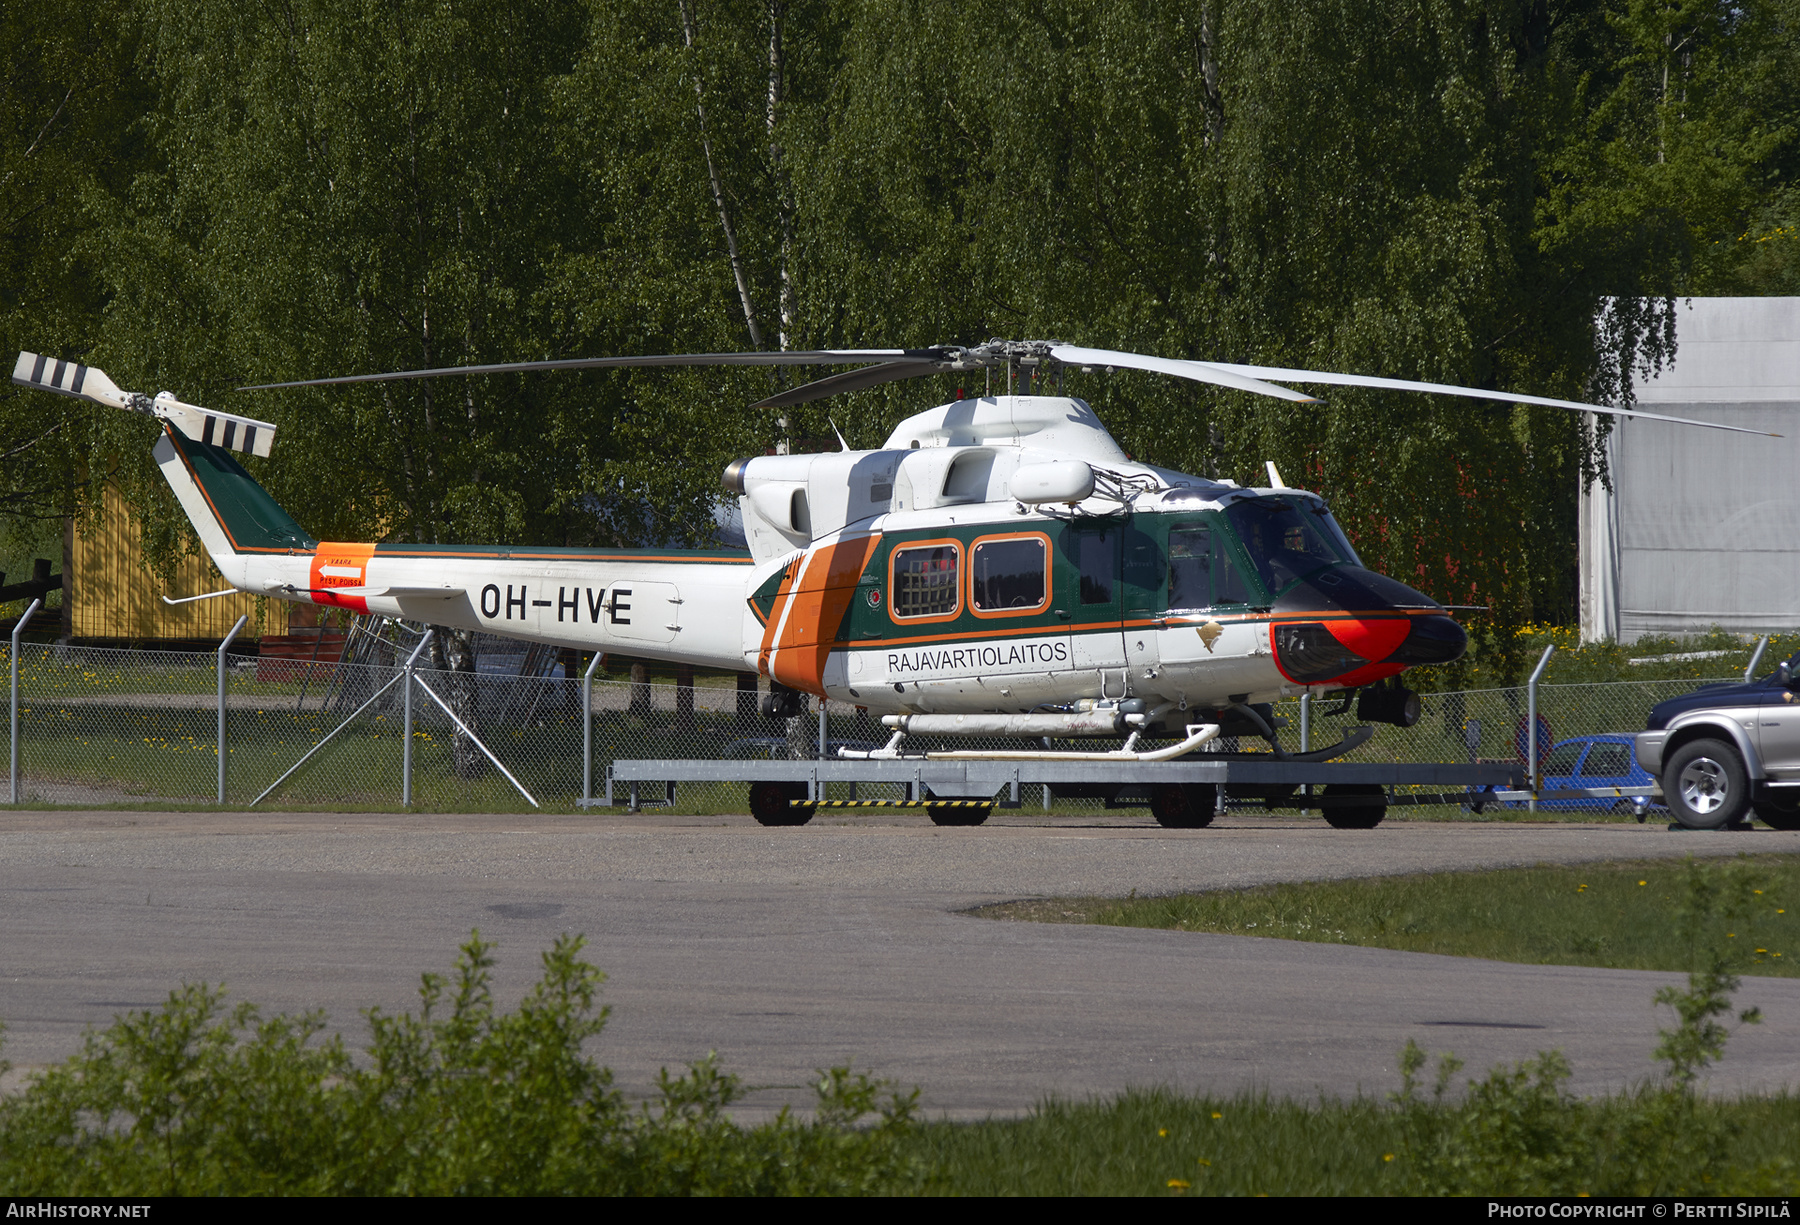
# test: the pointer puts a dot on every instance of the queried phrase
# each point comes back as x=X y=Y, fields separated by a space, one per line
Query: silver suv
x=1725 y=752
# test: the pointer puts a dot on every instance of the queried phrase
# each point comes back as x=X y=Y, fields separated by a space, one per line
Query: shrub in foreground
x=460 y=1099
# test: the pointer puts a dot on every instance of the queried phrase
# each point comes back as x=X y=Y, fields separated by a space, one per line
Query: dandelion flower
x=1179 y=1184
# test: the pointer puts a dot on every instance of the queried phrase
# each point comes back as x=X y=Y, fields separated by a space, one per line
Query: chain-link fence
x=1488 y=725
x=100 y=727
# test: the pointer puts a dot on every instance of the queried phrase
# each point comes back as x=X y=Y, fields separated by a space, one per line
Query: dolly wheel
x=956 y=814
x=1356 y=816
x=769 y=804
x=1178 y=806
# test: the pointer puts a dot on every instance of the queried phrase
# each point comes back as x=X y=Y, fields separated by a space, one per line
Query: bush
x=196 y=1099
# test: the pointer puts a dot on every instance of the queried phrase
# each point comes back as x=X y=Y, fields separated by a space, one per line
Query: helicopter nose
x=1347 y=626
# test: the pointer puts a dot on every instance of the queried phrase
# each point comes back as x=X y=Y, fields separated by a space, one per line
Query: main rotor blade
x=792 y=357
x=1200 y=372
x=1477 y=393
x=851 y=380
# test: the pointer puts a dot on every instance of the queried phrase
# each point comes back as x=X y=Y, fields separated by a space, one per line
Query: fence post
x=221 y=670
x=1531 y=744
x=587 y=730
x=406 y=705
x=822 y=731
x=1750 y=669
x=1306 y=730
x=18 y=629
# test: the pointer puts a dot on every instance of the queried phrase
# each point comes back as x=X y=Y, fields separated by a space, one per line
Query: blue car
x=1597 y=761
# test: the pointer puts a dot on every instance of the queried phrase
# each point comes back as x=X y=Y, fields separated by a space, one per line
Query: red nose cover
x=1373 y=640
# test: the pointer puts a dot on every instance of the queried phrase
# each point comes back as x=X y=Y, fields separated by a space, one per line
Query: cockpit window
x=1201 y=573
x=1287 y=539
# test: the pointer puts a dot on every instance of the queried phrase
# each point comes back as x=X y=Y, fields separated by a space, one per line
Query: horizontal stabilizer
x=436 y=592
x=245 y=435
x=422 y=593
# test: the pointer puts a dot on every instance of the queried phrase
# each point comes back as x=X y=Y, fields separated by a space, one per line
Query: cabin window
x=1010 y=574
x=1099 y=557
x=926 y=582
x=1201 y=573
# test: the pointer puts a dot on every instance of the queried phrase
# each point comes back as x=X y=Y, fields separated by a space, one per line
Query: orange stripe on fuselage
x=816 y=608
x=340 y=557
x=772 y=623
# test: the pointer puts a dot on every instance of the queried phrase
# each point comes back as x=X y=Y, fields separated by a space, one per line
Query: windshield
x=1288 y=538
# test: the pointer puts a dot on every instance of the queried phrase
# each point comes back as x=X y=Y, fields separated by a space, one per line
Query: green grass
x=1595 y=915
x=1140 y=1143
x=1648 y=1141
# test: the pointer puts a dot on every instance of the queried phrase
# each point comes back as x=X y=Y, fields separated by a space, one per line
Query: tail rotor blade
x=68 y=379
x=245 y=435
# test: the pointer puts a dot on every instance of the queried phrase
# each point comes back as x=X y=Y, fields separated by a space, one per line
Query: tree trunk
x=684 y=698
x=453 y=652
x=640 y=691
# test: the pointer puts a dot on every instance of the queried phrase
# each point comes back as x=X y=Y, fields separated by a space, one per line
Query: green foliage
x=67 y=136
x=1517 y=1131
x=1710 y=656
x=1160 y=1142
x=462 y=1098
x=1716 y=894
x=689 y=1146
x=1622 y=915
x=1492 y=192
x=459 y=1099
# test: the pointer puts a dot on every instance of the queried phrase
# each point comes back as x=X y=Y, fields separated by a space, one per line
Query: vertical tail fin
x=231 y=512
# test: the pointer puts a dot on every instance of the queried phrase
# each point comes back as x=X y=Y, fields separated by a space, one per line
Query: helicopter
x=997 y=567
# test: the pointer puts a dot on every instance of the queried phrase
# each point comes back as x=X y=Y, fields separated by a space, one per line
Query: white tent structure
x=1702 y=527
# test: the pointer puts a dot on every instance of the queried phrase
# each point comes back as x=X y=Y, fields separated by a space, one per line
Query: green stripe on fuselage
x=522 y=552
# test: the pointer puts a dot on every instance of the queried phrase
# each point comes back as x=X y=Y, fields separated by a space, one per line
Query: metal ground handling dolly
x=1183 y=794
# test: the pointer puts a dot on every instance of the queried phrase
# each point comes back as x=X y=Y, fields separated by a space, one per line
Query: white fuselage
x=912 y=579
